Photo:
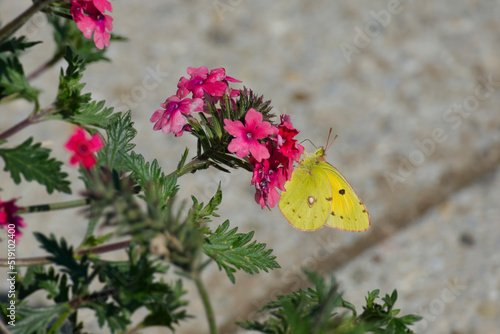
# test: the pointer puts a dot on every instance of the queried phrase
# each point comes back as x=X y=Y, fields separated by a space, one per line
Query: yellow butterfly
x=318 y=195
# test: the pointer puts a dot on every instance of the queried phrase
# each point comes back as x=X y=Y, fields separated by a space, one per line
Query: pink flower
x=248 y=135
x=272 y=173
x=9 y=219
x=286 y=144
x=214 y=83
x=172 y=117
x=90 y=18
x=83 y=149
x=267 y=176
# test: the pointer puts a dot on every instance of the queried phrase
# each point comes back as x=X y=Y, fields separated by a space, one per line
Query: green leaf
x=12 y=78
x=33 y=162
x=69 y=94
x=150 y=175
x=232 y=251
x=410 y=319
x=120 y=132
x=94 y=114
x=52 y=287
x=63 y=255
x=37 y=320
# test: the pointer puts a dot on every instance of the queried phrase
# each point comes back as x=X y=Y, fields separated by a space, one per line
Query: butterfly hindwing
x=305 y=202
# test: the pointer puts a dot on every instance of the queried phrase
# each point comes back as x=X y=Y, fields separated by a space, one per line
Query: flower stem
x=35 y=117
x=193 y=165
x=18 y=22
x=46 y=66
x=206 y=302
x=55 y=206
x=16 y=128
x=33 y=261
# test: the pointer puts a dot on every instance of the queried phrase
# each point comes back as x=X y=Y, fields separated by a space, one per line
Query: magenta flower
x=172 y=117
x=267 y=176
x=214 y=83
x=270 y=174
x=287 y=145
x=248 y=135
x=9 y=219
x=90 y=18
x=83 y=149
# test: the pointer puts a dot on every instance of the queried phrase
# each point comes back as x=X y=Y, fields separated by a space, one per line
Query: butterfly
x=317 y=195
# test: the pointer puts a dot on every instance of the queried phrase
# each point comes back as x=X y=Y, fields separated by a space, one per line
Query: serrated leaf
x=37 y=320
x=231 y=251
x=12 y=78
x=94 y=114
x=150 y=174
x=120 y=132
x=52 y=287
x=69 y=94
x=33 y=162
x=63 y=255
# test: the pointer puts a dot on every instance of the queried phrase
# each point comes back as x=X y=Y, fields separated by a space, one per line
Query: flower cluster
x=90 y=18
x=271 y=150
x=83 y=149
x=8 y=217
x=178 y=107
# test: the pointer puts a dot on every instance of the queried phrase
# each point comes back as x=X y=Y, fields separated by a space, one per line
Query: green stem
x=206 y=302
x=193 y=165
x=55 y=206
x=18 y=22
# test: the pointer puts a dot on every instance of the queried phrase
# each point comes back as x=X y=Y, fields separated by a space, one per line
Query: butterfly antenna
x=310 y=142
x=328 y=143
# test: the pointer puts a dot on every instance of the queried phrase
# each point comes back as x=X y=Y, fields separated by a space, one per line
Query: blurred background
x=412 y=90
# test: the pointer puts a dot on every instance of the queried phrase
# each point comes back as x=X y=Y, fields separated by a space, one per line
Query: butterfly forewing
x=347 y=211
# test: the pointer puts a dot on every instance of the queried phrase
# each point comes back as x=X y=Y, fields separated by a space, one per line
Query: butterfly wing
x=305 y=202
x=347 y=211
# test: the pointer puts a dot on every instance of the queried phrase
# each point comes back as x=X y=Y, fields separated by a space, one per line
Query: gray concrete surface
x=418 y=139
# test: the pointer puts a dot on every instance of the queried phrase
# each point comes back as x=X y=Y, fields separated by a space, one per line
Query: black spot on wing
x=342 y=191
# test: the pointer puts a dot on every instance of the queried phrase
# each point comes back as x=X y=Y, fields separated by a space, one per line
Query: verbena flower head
x=248 y=135
x=8 y=218
x=214 y=83
x=233 y=121
x=90 y=18
x=83 y=149
x=172 y=117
